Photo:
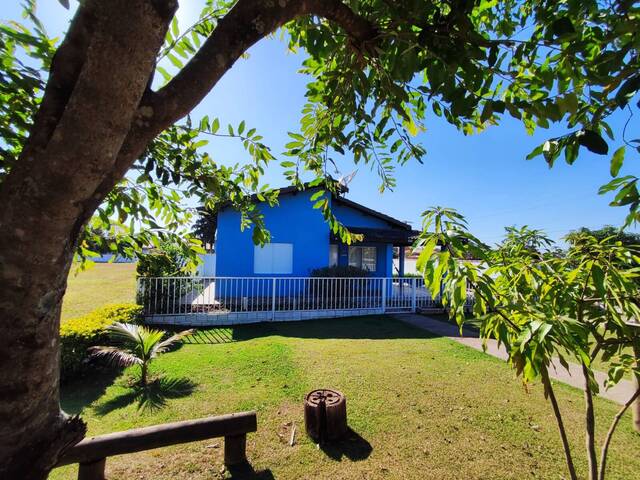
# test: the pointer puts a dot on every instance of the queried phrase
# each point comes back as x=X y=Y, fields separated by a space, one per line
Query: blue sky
x=486 y=176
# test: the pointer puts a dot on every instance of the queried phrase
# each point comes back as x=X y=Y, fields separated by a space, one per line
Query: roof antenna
x=345 y=180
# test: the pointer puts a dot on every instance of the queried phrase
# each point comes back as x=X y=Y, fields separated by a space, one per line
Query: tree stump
x=325 y=415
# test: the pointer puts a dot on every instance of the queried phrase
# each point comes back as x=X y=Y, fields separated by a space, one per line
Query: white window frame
x=273 y=258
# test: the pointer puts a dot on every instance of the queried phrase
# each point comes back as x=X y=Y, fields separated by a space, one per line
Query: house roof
x=383 y=235
x=292 y=190
x=373 y=213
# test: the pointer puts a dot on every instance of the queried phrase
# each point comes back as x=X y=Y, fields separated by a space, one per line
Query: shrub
x=78 y=334
x=162 y=296
x=167 y=261
x=340 y=271
x=337 y=289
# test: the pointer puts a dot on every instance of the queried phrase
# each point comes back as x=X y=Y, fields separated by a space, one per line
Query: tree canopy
x=378 y=70
x=543 y=307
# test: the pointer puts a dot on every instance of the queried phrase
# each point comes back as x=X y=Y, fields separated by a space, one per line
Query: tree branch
x=63 y=74
x=590 y=425
x=556 y=411
x=612 y=429
x=245 y=24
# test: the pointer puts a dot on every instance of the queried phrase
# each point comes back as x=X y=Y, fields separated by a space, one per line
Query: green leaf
x=174 y=60
x=215 y=126
x=617 y=161
x=627 y=90
x=535 y=152
x=317 y=195
x=498 y=106
x=598 y=280
x=562 y=26
x=493 y=55
x=175 y=30
x=487 y=111
x=593 y=141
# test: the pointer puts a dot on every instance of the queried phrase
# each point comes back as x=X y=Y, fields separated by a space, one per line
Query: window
x=273 y=258
x=333 y=255
x=363 y=257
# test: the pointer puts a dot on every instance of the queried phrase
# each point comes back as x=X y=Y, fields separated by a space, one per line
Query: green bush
x=78 y=334
x=167 y=261
x=340 y=271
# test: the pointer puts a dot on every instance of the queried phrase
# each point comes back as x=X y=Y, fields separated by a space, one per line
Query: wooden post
x=92 y=470
x=234 y=426
x=325 y=415
x=235 y=449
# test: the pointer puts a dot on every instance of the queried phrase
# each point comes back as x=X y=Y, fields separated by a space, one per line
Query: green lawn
x=420 y=407
x=101 y=284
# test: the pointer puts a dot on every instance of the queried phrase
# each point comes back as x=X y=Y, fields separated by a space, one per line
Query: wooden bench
x=91 y=453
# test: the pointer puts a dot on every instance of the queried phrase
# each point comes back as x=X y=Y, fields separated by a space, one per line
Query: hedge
x=78 y=334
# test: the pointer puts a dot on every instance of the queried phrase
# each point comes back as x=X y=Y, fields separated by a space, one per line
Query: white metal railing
x=231 y=300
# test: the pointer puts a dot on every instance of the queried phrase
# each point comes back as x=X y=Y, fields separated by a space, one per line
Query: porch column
x=401 y=261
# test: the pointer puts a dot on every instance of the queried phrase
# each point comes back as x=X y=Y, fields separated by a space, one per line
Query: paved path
x=619 y=394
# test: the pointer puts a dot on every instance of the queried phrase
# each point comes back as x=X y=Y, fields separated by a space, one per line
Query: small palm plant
x=137 y=345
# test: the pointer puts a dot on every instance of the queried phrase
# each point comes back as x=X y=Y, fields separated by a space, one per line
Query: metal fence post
x=384 y=295
x=413 y=295
x=273 y=300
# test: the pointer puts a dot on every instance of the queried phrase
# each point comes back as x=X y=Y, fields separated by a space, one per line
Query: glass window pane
x=333 y=255
x=369 y=258
x=355 y=257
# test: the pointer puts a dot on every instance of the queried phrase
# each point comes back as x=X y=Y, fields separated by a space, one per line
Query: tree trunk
x=93 y=93
x=590 y=424
x=635 y=406
x=96 y=118
x=550 y=394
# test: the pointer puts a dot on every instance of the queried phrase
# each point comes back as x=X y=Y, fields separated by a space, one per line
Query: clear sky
x=486 y=176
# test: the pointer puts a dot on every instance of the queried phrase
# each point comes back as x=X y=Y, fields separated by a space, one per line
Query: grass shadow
x=373 y=327
x=79 y=393
x=352 y=328
x=210 y=336
x=245 y=471
x=352 y=446
x=153 y=396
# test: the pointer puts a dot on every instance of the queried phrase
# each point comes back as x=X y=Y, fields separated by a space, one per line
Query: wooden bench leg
x=235 y=449
x=92 y=470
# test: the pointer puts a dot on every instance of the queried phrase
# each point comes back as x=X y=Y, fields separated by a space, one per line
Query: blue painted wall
x=292 y=221
x=355 y=218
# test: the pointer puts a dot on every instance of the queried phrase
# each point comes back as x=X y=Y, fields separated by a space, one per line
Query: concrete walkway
x=619 y=394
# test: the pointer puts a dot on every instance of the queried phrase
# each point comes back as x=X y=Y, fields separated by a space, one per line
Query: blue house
x=301 y=240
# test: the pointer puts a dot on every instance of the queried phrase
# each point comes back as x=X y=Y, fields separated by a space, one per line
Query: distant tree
x=609 y=231
x=541 y=306
x=206 y=225
x=631 y=240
